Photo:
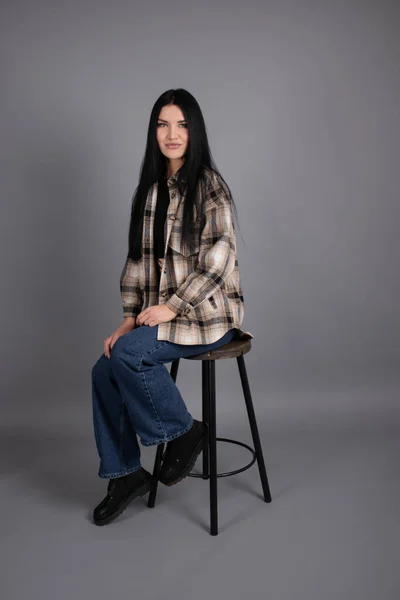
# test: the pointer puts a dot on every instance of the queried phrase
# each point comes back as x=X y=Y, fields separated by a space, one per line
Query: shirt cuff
x=178 y=305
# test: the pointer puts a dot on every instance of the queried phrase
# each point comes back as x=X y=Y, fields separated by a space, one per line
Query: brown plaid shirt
x=202 y=287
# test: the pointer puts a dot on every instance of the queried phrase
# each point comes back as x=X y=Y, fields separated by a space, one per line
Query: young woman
x=181 y=296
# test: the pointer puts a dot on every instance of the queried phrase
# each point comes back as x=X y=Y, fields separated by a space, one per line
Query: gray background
x=301 y=103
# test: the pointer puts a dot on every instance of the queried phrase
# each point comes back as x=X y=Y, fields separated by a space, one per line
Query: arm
x=217 y=256
x=130 y=291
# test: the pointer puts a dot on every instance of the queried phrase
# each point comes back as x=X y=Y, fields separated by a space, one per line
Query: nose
x=172 y=132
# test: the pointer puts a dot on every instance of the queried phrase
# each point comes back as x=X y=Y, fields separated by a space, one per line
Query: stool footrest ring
x=228 y=473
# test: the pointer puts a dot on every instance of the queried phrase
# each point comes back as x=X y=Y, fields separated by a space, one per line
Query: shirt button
x=172 y=217
x=173 y=195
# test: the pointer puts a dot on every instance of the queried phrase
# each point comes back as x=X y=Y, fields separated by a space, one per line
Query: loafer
x=181 y=454
x=120 y=492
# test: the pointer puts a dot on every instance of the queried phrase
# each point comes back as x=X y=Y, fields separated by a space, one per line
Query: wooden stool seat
x=230 y=350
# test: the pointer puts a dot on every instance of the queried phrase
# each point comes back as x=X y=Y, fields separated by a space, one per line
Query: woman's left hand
x=153 y=315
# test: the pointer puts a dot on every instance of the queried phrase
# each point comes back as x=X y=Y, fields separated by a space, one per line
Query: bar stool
x=236 y=348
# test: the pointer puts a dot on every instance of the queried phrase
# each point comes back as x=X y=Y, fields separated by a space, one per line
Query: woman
x=181 y=296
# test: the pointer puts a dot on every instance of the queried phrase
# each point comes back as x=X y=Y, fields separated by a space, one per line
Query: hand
x=153 y=315
x=110 y=341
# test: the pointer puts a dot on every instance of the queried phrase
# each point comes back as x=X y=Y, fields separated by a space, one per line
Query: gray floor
x=331 y=532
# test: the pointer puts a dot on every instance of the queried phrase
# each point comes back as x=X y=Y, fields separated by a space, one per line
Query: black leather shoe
x=120 y=492
x=181 y=454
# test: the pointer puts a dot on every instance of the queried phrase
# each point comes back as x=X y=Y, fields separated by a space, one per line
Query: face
x=172 y=130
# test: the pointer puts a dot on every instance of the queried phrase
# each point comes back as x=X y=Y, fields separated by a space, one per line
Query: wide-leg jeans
x=133 y=394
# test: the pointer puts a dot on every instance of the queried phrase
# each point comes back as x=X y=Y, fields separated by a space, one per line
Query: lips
x=173 y=146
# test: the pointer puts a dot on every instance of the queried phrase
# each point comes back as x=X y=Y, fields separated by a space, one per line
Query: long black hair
x=191 y=176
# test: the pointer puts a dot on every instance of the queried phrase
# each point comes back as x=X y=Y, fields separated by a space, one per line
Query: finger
x=143 y=317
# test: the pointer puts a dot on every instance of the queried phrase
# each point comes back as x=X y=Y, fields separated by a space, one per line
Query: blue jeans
x=134 y=394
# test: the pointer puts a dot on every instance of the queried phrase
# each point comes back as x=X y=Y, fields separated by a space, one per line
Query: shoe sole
x=136 y=494
x=200 y=446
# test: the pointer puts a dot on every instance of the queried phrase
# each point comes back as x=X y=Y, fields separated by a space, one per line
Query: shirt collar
x=171 y=181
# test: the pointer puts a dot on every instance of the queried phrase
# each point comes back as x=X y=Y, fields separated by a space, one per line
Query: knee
x=123 y=352
x=118 y=349
x=101 y=367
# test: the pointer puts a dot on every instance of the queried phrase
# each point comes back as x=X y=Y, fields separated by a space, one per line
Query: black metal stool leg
x=213 y=448
x=254 y=428
x=156 y=472
x=160 y=450
x=206 y=418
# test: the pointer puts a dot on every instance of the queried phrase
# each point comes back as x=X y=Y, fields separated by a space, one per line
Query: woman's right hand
x=128 y=325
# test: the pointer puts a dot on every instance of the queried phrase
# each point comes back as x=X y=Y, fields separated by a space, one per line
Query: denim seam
x=169 y=438
x=145 y=384
x=121 y=434
x=156 y=349
x=96 y=437
x=120 y=473
x=148 y=393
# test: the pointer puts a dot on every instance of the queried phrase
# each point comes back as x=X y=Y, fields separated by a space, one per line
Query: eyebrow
x=181 y=121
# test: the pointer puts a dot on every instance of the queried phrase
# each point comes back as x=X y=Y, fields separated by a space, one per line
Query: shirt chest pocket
x=175 y=240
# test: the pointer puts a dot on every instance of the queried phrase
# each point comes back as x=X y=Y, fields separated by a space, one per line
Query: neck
x=173 y=166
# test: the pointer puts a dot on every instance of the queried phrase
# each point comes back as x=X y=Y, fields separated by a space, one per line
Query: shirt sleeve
x=217 y=254
x=130 y=291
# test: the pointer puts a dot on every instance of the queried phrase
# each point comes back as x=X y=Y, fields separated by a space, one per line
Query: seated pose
x=181 y=296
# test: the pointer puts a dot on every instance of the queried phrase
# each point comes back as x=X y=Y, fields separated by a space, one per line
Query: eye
x=180 y=124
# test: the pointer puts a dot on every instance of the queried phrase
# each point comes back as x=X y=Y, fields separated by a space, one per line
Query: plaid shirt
x=202 y=287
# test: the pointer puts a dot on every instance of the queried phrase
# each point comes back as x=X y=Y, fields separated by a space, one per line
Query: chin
x=175 y=153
